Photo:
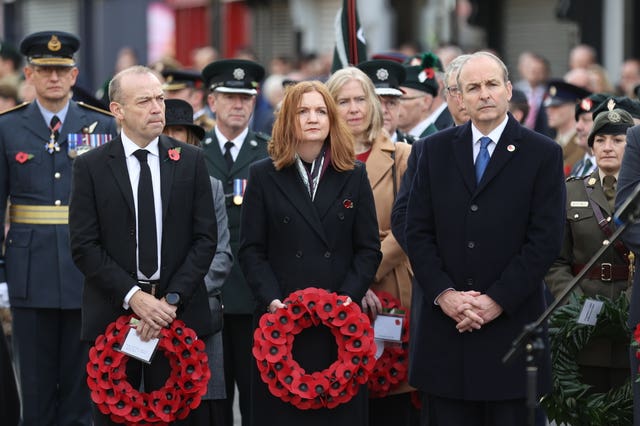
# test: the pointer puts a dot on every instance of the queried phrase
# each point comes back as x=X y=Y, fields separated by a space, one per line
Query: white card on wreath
x=388 y=327
x=590 y=311
x=136 y=348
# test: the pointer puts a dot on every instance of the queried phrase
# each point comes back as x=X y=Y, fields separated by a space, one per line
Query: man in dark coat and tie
x=628 y=180
x=480 y=239
x=38 y=144
x=143 y=230
x=229 y=149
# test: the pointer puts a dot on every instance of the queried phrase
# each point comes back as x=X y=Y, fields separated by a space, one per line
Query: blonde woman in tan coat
x=386 y=162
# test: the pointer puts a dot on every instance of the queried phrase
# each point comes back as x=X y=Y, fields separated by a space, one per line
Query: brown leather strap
x=604 y=272
x=606 y=224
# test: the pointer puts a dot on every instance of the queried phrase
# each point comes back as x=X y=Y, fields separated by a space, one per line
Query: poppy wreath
x=391 y=368
x=570 y=400
x=181 y=393
x=286 y=379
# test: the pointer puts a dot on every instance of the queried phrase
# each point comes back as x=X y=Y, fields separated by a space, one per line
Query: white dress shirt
x=133 y=167
x=237 y=142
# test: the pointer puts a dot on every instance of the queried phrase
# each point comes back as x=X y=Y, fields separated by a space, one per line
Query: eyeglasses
x=452 y=90
x=410 y=98
x=47 y=71
x=389 y=102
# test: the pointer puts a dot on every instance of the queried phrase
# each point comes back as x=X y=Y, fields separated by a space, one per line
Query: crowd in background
x=559 y=107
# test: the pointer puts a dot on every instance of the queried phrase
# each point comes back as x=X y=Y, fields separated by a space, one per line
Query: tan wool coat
x=394 y=274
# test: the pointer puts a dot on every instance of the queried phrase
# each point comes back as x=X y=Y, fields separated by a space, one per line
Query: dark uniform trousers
x=239 y=304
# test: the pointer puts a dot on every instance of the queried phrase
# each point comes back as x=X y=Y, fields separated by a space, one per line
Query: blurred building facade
x=154 y=28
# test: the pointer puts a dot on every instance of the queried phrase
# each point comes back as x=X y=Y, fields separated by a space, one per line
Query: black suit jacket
x=102 y=223
x=331 y=242
x=444 y=120
x=498 y=237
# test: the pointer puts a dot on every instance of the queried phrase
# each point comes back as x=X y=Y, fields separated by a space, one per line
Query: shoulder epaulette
x=572 y=178
x=261 y=135
x=91 y=107
x=17 y=107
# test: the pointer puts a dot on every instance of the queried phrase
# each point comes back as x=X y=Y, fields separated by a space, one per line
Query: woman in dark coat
x=308 y=220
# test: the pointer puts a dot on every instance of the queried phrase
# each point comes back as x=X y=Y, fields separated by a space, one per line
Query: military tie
x=228 y=158
x=609 y=186
x=54 y=126
x=483 y=157
x=147 y=240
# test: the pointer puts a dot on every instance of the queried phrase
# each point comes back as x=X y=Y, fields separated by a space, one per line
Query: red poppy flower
x=23 y=157
x=174 y=153
x=182 y=391
x=347 y=203
x=391 y=368
x=285 y=378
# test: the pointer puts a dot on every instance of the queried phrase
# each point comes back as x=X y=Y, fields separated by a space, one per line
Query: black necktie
x=54 y=126
x=147 y=242
x=227 y=154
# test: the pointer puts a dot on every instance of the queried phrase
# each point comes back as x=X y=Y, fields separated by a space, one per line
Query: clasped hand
x=469 y=309
x=154 y=314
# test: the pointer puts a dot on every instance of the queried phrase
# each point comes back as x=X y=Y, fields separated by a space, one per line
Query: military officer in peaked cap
x=584 y=123
x=38 y=142
x=387 y=77
x=229 y=151
x=188 y=86
x=560 y=101
x=589 y=209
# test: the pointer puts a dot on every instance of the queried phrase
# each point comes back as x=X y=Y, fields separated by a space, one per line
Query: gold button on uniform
x=58 y=202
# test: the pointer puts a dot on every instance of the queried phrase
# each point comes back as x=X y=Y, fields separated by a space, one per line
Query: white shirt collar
x=494 y=135
x=130 y=147
x=237 y=141
x=435 y=114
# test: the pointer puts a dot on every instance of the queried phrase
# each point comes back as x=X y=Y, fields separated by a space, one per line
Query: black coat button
x=469 y=281
x=474 y=207
x=327 y=254
x=341 y=216
x=285 y=219
x=299 y=254
x=471 y=244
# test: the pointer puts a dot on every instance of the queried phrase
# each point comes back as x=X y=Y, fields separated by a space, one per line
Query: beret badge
x=614 y=117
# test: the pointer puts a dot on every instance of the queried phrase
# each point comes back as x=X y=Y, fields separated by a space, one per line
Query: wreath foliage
x=570 y=400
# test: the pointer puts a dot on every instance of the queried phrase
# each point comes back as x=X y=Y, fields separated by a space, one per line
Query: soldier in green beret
x=590 y=207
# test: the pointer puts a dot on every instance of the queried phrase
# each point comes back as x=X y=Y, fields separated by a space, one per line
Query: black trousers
x=9 y=400
x=237 y=341
x=51 y=366
x=439 y=411
x=391 y=410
